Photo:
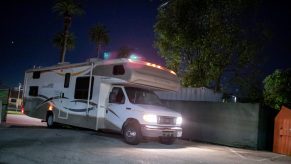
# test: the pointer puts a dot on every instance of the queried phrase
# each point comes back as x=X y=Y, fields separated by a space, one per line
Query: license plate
x=168 y=134
x=167 y=121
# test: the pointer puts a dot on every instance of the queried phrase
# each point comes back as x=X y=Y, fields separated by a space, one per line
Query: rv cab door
x=116 y=109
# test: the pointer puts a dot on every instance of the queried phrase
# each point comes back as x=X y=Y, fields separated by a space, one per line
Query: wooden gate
x=282 y=132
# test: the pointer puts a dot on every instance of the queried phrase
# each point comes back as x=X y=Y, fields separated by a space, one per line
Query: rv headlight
x=150 y=118
x=179 y=120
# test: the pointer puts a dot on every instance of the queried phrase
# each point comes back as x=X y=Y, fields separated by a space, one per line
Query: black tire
x=132 y=134
x=167 y=140
x=50 y=120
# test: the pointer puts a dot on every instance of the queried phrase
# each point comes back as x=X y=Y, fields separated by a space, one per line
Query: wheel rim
x=130 y=133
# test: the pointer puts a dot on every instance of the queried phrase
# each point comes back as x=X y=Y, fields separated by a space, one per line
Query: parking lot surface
x=37 y=144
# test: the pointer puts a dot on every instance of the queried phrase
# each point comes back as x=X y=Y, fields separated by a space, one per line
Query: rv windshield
x=142 y=96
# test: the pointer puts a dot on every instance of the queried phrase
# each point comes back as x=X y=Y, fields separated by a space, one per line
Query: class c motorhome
x=113 y=94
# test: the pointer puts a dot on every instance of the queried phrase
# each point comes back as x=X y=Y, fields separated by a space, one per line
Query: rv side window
x=67 y=80
x=118 y=70
x=36 y=75
x=82 y=88
x=33 y=91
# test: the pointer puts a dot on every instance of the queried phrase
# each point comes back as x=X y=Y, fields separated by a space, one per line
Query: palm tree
x=67 y=9
x=124 y=52
x=59 y=39
x=99 y=35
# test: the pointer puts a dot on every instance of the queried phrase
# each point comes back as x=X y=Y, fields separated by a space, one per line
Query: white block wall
x=191 y=94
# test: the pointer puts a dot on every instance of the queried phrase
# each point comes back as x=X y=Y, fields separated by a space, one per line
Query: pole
x=89 y=92
x=17 y=102
x=0 y=111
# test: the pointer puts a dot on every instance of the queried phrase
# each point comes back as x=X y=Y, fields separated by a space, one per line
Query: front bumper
x=161 y=131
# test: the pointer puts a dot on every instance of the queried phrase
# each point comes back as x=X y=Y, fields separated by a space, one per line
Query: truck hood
x=158 y=110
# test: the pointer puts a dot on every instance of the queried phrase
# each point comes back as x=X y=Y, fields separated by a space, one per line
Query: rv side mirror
x=112 y=97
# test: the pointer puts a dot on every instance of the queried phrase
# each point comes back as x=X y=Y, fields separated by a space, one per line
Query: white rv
x=113 y=95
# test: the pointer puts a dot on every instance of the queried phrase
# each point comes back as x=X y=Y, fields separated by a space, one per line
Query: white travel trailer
x=112 y=94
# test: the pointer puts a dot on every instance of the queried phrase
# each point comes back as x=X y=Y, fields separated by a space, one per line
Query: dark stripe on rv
x=42 y=96
x=112 y=112
x=79 y=110
x=85 y=101
x=51 y=98
x=45 y=101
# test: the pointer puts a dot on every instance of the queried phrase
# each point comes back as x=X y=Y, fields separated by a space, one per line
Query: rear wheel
x=50 y=120
x=167 y=140
x=132 y=133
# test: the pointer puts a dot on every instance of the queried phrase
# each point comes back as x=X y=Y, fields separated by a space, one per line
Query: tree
x=67 y=9
x=58 y=40
x=277 y=88
x=203 y=40
x=99 y=35
x=124 y=52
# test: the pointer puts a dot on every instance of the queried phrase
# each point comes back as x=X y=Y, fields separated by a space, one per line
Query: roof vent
x=93 y=60
x=63 y=63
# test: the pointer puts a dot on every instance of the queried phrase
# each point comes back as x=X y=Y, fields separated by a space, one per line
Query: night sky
x=27 y=28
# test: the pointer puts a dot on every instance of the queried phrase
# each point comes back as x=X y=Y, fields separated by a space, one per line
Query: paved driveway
x=23 y=120
x=36 y=144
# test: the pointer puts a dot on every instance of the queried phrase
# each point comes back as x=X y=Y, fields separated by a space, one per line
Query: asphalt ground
x=34 y=143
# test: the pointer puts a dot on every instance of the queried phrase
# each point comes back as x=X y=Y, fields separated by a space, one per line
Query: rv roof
x=100 y=62
x=132 y=72
x=64 y=66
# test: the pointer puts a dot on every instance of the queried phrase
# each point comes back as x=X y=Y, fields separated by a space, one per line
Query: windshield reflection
x=142 y=96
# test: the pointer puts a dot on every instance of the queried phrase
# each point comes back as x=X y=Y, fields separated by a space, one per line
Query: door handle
x=127 y=108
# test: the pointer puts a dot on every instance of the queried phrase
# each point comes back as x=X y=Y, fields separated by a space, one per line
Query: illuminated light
x=133 y=57
x=106 y=55
x=130 y=60
x=22 y=108
x=150 y=118
x=50 y=108
x=172 y=72
x=179 y=120
x=159 y=67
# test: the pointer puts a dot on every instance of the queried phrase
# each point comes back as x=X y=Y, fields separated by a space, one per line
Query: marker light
x=22 y=109
x=179 y=120
x=50 y=108
x=150 y=118
x=106 y=55
x=172 y=72
x=135 y=60
x=133 y=57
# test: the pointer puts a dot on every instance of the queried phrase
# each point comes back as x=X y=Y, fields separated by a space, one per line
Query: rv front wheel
x=50 y=120
x=132 y=134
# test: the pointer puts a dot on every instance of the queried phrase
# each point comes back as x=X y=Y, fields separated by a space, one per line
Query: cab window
x=117 y=96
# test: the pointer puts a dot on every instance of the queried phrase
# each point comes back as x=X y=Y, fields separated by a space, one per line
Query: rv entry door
x=115 y=109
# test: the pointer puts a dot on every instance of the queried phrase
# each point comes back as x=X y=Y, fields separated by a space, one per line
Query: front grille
x=166 y=120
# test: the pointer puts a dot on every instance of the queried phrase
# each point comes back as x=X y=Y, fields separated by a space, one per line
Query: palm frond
x=99 y=35
x=67 y=7
x=59 y=38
